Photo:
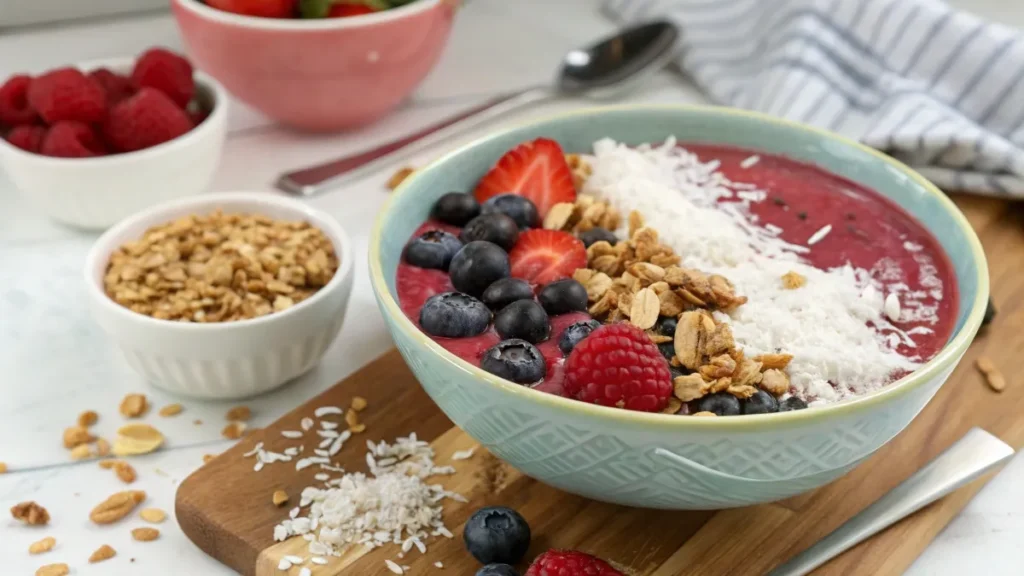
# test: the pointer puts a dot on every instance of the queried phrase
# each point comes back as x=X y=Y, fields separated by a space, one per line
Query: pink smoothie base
x=866 y=228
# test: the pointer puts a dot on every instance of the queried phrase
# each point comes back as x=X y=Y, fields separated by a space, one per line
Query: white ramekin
x=94 y=193
x=231 y=359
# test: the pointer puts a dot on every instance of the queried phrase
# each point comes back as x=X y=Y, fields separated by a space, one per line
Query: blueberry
x=478 y=265
x=792 y=403
x=495 y=228
x=515 y=360
x=432 y=249
x=454 y=315
x=497 y=570
x=666 y=326
x=721 y=403
x=516 y=207
x=506 y=291
x=760 y=403
x=596 y=235
x=675 y=372
x=496 y=534
x=667 y=349
x=456 y=208
x=563 y=296
x=575 y=333
x=524 y=319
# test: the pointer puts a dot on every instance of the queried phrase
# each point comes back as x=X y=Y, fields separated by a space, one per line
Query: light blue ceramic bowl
x=656 y=460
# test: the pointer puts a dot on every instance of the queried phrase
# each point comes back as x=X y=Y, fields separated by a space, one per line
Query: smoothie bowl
x=677 y=307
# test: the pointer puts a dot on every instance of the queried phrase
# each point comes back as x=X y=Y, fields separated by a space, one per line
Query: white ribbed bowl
x=94 y=193
x=231 y=359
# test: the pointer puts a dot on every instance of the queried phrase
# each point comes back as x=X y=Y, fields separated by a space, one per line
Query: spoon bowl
x=617 y=64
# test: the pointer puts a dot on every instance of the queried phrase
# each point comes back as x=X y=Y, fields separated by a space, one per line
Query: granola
x=220 y=268
x=102 y=553
x=117 y=506
x=30 y=513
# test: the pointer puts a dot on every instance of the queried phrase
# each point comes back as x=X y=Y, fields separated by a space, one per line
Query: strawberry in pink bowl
x=92 y=143
x=317 y=65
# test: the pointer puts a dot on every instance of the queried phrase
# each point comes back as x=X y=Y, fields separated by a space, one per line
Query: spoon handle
x=969 y=458
x=316 y=179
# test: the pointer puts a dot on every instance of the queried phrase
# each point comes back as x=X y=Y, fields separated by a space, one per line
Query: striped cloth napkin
x=937 y=88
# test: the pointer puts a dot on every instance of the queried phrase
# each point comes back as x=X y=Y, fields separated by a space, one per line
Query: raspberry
x=146 y=119
x=115 y=86
x=67 y=94
x=14 y=108
x=570 y=563
x=618 y=365
x=167 y=72
x=28 y=138
x=71 y=140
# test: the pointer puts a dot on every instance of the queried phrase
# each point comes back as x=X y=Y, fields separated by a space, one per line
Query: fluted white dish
x=94 y=193
x=229 y=359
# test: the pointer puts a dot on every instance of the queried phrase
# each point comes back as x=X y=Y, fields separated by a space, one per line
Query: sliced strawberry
x=536 y=170
x=542 y=256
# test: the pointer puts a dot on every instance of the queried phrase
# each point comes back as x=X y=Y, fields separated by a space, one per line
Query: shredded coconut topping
x=835 y=326
x=391 y=505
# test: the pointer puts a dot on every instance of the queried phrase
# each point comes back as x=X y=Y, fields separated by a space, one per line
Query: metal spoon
x=602 y=70
x=977 y=453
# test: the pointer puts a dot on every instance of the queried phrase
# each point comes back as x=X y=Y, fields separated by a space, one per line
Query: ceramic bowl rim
x=946 y=358
x=217 y=116
x=294 y=25
x=105 y=245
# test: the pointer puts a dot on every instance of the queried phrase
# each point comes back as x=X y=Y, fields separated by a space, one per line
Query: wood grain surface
x=226 y=509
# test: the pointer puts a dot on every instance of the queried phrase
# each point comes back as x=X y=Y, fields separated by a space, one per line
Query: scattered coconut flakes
x=819 y=235
x=892 y=307
x=390 y=505
x=291 y=434
x=305 y=571
x=464 y=454
x=749 y=161
x=394 y=567
x=328 y=425
x=306 y=423
x=284 y=564
x=319 y=560
x=326 y=411
x=322 y=477
x=295 y=559
x=327 y=433
x=438 y=564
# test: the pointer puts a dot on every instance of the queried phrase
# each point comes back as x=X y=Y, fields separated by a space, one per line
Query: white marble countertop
x=55 y=362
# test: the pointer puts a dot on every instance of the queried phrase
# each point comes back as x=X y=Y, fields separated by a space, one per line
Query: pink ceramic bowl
x=319 y=75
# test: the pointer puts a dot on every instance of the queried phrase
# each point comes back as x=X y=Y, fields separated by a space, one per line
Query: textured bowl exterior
x=319 y=75
x=94 y=193
x=229 y=360
x=620 y=456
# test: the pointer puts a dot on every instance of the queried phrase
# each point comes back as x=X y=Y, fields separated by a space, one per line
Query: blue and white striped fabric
x=939 y=89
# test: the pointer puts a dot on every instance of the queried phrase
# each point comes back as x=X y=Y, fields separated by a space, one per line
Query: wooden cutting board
x=225 y=507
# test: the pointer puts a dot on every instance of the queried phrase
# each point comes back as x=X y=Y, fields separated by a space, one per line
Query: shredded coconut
x=834 y=326
x=750 y=161
x=819 y=235
x=463 y=454
x=391 y=505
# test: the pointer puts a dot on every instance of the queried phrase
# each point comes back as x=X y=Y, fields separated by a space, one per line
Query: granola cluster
x=640 y=280
x=220 y=268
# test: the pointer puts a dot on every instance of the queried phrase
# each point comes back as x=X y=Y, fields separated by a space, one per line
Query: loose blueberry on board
x=666 y=326
x=667 y=349
x=478 y=265
x=506 y=291
x=516 y=207
x=455 y=208
x=760 y=403
x=515 y=360
x=497 y=570
x=721 y=403
x=563 y=296
x=792 y=403
x=432 y=249
x=524 y=319
x=495 y=228
x=496 y=534
x=454 y=315
x=597 y=235
x=575 y=333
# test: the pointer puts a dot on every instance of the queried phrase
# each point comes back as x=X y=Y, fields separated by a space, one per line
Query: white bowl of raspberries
x=96 y=142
